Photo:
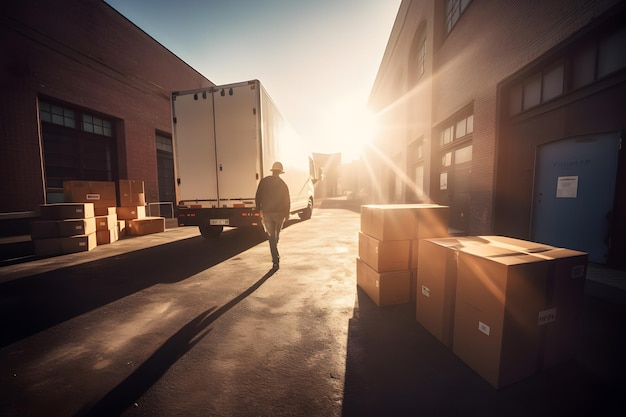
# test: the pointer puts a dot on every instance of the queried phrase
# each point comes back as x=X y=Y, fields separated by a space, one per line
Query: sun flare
x=350 y=129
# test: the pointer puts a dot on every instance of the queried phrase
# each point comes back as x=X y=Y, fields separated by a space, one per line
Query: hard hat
x=277 y=166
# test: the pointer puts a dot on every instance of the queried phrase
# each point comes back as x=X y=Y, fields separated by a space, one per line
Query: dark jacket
x=272 y=195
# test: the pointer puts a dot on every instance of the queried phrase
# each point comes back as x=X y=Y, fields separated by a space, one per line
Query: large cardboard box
x=431 y=221
x=499 y=310
x=44 y=229
x=101 y=193
x=436 y=284
x=384 y=288
x=61 y=211
x=73 y=227
x=81 y=243
x=145 y=226
x=568 y=269
x=105 y=211
x=518 y=245
x=132 y=193
x=131 y=212
x=384 y=256
x=48 y=247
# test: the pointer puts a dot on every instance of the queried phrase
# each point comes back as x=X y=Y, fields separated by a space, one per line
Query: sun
x=351 y=127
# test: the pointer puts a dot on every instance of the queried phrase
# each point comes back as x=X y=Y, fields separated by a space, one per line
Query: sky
x=317 y=59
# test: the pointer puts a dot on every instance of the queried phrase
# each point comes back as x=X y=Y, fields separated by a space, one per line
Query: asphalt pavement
x=171 y=324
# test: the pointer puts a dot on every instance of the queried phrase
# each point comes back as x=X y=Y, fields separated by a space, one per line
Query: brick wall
x=84 y=53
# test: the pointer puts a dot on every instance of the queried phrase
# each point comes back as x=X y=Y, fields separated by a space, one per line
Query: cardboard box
x=384 y=256
x=73 y=227
x=43 y=229
x=104 y=237
x=499 y=310
x=81 y=243
x=384 y=288
x=105 y=211
x=100 y=193
x=517 y=244
x=61 y=211
x=48 y=247
x=131 y=213
x=146 y=226
x=436 y=285
x=132 y=193
x=108 y=222
x=568 y=269
x=404 y=221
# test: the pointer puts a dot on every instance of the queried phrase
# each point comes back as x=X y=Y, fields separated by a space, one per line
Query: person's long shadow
x=138 y=383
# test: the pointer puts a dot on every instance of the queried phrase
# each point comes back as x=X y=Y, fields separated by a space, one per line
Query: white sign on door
x=567 y=187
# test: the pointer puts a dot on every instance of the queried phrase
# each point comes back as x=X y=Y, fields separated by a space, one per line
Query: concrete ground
x=173 y=325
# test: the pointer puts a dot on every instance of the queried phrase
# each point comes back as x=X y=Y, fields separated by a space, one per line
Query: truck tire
x=210 y=232
x=307 y=212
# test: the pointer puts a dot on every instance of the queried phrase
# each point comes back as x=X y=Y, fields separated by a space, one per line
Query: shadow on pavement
x=34 y=303
x=138 y=383
x=395 y=367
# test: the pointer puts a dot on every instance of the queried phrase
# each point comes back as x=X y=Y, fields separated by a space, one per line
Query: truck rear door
x=195 y=147
x=237 y=143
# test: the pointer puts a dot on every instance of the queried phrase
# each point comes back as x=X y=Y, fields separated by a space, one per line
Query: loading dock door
x=574 y=192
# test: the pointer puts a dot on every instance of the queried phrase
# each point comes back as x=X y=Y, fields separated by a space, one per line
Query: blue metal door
x=574 y=192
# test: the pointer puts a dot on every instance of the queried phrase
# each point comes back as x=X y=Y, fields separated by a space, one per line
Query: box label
x=483 y=328
x=578 y=271
x=425 y=291
x=547 y=316
x=90 y=197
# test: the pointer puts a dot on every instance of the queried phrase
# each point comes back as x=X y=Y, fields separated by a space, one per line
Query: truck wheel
x=307 y=212
x=210 y=232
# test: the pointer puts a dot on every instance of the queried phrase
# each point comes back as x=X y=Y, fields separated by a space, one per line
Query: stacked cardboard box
x=64 y=228
x=388 y=242
x=132 y=210
x=107 y=227
x=507 y=307
x=101 y=193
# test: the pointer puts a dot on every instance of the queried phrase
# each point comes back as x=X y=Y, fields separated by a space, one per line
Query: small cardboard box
x=499 y=310
x=104 y=237
x=404 y=221
x=384 y=288
x=132 y=193
x=100 y=193
x=131 y=213
x=436 y=285
x=146 y=226
x=61 y=211
x=73 y=227
x=48 y=247
x=105 y=211
x=104 y=223
x=81 y=243
x=384 y=256
x=44 y=229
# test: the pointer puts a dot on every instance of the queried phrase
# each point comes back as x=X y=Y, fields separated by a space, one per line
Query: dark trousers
x=273 y=223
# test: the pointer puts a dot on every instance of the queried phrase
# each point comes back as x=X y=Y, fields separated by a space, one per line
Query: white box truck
x=226 y=139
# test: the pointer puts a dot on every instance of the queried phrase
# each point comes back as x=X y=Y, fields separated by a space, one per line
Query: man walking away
x=273 y=202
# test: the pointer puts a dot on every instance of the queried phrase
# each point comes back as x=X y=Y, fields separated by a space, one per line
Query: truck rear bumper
x=230 y=217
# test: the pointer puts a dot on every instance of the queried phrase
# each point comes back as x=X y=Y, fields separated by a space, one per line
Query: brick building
x=512 y=113
x=86 y=97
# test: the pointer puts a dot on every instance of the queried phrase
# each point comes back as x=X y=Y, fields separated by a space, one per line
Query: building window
x=57 y=115
x=454 y=10
x=458 y=130
x=96 y=125
x=417 y=58
x=586 y=64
